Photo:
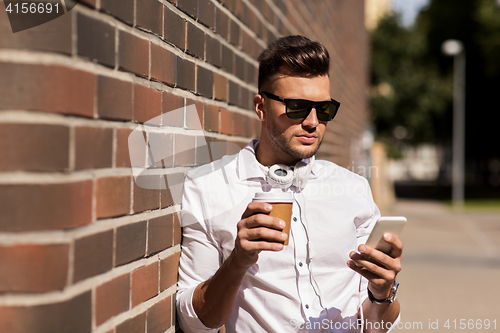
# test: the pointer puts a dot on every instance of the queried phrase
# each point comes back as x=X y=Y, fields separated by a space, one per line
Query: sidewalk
x=451 y=269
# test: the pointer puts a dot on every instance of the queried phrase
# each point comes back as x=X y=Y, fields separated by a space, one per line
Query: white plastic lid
x=285 y=197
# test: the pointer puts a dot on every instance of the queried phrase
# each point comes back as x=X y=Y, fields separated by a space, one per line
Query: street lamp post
x=455 y=48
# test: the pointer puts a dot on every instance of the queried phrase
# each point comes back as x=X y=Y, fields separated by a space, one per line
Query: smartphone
x=385 y=224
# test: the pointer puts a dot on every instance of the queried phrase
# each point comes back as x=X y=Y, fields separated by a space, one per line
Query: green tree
x=408 y=96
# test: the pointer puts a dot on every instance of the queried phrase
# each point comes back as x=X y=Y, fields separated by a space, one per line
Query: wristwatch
x=389 y=299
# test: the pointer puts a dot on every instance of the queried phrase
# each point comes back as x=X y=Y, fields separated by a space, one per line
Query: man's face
x=288 y=139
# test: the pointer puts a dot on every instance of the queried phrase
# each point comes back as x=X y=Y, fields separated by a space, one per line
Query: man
x=234 y=269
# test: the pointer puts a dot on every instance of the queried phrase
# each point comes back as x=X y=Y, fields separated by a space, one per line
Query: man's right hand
x=257 y=231
x=214 y=299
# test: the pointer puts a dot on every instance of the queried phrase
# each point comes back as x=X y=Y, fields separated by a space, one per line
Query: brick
x=112 y=196
x=161 y=146
x=71 y=316
x=52 y=36
x=114 y=98
x=159 y=318
x=93 y=147
x=185 y=74
x=184 y=150
x=168 y=271
x=240 y=122
x=227 y=60
x=234 y=33
x=122 y=157
x=239 y=67
x=123 y=9
x=220 y=87
x=188 y=6
x=34 y=268
x=226 y=121
x=160 y=234
x=205 y=82
x=246 y=100
x=130 y=242
x=177 y=230
x=93 y=255
x=211 y=117
x=172 y=189
x=136 y=324
x=112 y=298
x=221 y=23
x=174 y=28
x=65 y=90
x=195 y=41
x=133 y=54
x=149 y=16
x=250 y=18
x=51 y=206
x=163 y=65
x=173 y=115
x=194 y=117
x=34 y=147
x=206 y=13
x=95 y=40
x=147 y=104
x=144 y=283
x=234 y=93
x=213 y=52
x=251 y=73
x=146 y=193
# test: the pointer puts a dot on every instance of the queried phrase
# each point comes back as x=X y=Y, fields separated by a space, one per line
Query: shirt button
x=295 y=219
x=307 y=306
x=300 y=264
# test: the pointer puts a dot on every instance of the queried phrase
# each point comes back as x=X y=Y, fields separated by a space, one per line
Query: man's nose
x=311 y=120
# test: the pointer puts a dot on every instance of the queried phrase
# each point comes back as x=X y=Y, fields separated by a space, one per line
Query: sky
x=409 y=9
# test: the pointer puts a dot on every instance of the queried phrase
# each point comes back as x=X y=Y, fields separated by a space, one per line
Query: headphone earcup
x=280 y=175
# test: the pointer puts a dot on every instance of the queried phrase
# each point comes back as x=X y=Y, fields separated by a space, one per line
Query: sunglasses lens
x=326 y=111
x=298 y=109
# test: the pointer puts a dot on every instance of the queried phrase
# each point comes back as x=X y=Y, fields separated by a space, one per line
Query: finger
x=396 y=245
x=263 y=220
x=387 y=273
x=380 y=258
x=247 y=245
x=263 y=234
x=257 y=207
x=370 y=276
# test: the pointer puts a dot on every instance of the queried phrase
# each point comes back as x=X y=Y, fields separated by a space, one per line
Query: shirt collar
x=248 y=167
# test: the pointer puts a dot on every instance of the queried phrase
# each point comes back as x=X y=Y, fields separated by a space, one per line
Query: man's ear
x=258 y=103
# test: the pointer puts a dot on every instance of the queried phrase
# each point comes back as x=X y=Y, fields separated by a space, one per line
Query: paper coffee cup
x=282 y=207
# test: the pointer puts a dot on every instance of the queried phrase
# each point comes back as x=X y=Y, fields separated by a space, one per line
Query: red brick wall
x=83 y=248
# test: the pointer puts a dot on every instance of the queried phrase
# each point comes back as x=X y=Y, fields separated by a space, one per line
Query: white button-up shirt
x=307 y=287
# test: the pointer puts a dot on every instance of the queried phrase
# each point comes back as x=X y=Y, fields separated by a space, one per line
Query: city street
x=451 y=269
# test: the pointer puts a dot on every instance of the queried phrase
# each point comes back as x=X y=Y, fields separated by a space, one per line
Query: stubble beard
x=283 y=143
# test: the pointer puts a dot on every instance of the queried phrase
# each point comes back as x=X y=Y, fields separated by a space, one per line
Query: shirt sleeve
x=200 y=256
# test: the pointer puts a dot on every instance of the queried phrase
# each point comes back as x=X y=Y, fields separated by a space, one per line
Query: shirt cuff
x=188 y=319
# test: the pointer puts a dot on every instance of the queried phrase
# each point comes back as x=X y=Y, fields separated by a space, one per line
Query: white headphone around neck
x=283 y=176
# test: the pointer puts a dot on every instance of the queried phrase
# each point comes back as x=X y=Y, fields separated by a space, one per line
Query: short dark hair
x=296 y=54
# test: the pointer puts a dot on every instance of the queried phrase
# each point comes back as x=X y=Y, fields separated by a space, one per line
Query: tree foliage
x=408 y=93
x=412 y=80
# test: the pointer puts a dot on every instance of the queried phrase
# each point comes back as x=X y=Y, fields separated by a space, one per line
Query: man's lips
x=307 y=138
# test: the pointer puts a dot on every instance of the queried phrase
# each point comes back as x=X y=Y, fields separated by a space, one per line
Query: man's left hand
x=379 y=268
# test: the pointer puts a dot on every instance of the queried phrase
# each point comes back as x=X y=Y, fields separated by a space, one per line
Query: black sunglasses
x=299 y=109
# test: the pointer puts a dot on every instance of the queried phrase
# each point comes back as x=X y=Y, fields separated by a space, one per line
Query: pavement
x=450 y=280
